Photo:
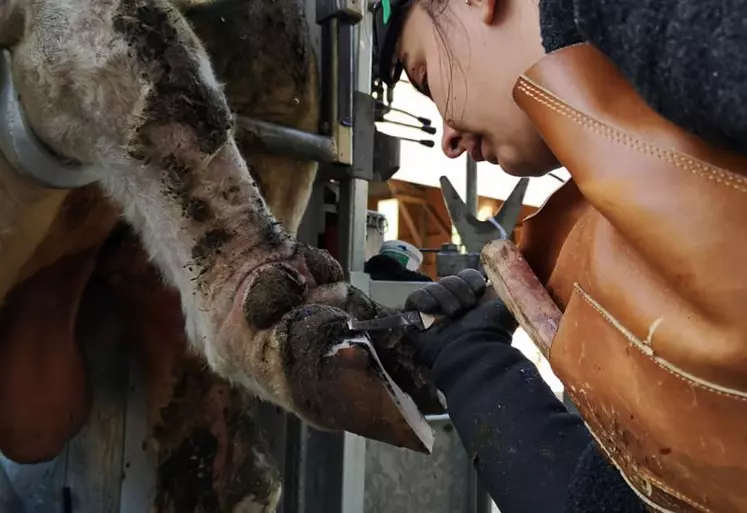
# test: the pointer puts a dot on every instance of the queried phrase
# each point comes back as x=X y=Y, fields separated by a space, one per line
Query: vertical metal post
x=138 y=475
x=331 y=466
x=354 y=191
x=352 y=211
x=9 y=501
x=471 y=185
x=480 y=500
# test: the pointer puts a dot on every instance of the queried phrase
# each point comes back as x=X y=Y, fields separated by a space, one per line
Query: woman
x=685 y=58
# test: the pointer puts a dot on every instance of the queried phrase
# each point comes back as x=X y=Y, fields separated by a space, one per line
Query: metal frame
x=24 y=152
x=346 y=87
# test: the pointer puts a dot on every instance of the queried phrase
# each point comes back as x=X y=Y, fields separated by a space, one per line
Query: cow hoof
x=337 y=381
x=274 y=290
x=321 y=265
x=394 y=348
x=253 y=505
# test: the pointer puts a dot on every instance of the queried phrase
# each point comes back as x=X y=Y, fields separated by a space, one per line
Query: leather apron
x=645 y=252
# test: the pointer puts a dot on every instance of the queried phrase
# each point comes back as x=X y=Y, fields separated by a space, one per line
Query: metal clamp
x=351 y=10
x=22 y=149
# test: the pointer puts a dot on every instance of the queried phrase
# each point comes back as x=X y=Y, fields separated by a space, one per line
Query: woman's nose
x=452 y=142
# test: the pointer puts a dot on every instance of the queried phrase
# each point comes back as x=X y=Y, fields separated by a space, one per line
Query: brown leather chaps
x=645 y=253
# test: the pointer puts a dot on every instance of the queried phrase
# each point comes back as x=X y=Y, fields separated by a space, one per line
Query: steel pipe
x=288 y=141
x=471 y=186
x=438 y=418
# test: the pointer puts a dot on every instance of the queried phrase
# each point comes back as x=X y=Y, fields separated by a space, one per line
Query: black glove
x=458 y=298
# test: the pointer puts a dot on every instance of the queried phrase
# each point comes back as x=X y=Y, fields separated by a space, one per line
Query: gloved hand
x=461 y=298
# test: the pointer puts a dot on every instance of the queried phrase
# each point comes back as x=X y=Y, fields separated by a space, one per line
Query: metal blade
x=399 y=320
x=508 y=216
x=475 y=233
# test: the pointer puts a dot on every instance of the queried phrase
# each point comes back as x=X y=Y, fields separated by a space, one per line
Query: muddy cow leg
x=277 y=82
x=210 y=453
x=139 y=97
x=287 y=94
x=396 y=351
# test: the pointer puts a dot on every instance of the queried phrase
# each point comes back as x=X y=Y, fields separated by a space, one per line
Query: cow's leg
x=209 y=452
x=139 y=96
x=127 y=84
x=286 y=94
x=395 y=350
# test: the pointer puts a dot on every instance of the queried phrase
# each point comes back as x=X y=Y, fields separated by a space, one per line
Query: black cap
x=388 y=18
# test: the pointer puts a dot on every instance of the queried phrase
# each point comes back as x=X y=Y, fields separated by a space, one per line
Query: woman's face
x=466 y=57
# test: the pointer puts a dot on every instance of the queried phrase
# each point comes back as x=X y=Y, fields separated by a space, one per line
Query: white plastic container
x=376 y=225
x=403 y=252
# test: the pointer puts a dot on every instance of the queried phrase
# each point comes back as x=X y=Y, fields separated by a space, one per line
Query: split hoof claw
x=338 y=383
x=274 y=290
x=322 y=266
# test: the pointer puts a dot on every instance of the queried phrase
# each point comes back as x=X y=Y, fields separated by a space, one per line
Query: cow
x=129 y=90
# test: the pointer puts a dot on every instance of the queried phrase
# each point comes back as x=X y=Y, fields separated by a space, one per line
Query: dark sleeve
x=530 y=452
x=686 y=58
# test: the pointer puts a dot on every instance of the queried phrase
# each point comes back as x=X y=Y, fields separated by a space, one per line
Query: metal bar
x=330 y=73
x=342 y=128
x=288 y=141
x=352 y=217
x=354 y=474
x=352 y=499
x=346 y=74
x=480 y=501
x=471 y=185
x=434 y=419
x=138 y=475
x=9 y=501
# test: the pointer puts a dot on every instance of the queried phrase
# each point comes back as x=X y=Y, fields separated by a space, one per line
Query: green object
x=399 y=257
x=387 y=10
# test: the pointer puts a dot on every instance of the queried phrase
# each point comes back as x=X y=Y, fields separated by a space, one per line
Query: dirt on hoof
x=322 y=266
x=394 y=348
x=336 y=382
x=274 y=290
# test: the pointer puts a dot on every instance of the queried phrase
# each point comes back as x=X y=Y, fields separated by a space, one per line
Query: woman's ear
x=487 y=11
x=11 y=22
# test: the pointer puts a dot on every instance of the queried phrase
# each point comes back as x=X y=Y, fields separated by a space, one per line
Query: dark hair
x=436 y=10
